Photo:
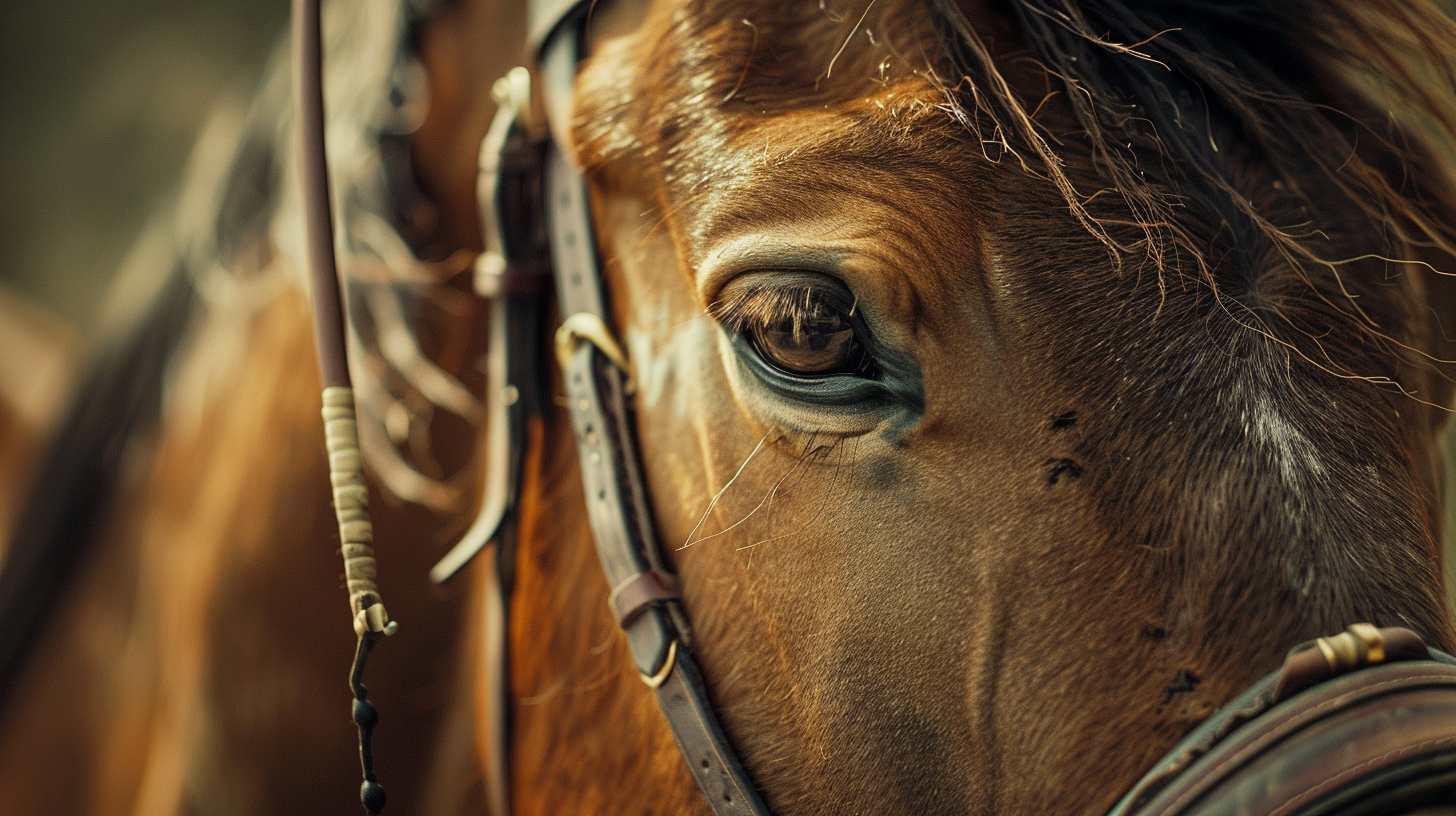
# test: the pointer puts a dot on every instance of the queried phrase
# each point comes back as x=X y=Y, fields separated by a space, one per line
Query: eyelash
x=761 y=311
x=763 y=306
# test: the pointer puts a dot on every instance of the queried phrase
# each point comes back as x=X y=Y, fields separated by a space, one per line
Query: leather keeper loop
x=635 y=594
x=1312 y=663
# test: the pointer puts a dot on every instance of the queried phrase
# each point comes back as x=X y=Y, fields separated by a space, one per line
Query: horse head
x=1014 y=383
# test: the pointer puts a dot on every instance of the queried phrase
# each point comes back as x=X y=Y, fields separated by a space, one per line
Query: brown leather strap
x=1391 y=723
x=520 y=308
x=318 y=221
x=1369 y=729
x=656 y=627
x=546 y=18
x=331 y=342
x=1312 y=663
x=513 y=282
x=706 y=749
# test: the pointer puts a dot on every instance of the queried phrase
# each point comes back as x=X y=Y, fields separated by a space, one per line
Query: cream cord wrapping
x=351 y=507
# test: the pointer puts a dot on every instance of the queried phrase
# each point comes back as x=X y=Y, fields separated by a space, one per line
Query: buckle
x=585 y=327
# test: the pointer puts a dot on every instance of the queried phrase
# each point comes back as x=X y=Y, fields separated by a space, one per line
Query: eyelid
x=730 y=305
x=750 y=254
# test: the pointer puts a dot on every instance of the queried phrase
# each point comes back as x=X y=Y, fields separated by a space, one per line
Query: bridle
x=538 y=230
x=1358 y=723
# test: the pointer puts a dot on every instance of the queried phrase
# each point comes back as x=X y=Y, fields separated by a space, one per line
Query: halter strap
x=645 y=599
x=546 y=18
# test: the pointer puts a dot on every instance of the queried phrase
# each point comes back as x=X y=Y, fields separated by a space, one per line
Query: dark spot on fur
x=1064 y=421
x=882 y=472
x=1154 y=632
x=1058 y=467
x=1183 y=681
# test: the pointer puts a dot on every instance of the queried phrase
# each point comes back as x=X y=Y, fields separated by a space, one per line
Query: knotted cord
x=346 y=466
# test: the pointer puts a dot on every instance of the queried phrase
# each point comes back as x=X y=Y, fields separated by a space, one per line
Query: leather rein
x=1355 y=724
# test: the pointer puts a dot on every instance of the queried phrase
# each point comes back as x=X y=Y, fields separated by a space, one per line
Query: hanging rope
x=341 y=427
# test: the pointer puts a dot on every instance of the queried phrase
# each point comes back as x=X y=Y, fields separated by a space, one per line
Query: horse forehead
x=686 y=61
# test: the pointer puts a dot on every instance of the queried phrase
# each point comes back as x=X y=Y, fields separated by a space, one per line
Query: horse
x=1015 y=382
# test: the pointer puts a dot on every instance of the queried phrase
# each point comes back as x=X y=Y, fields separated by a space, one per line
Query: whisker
x=724 y=489
x=853 y=31
x=772 y=494
x=766 y=499
x=829 y=491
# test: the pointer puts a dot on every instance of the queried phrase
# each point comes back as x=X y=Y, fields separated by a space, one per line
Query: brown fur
x=199 y=667
x=571 y=674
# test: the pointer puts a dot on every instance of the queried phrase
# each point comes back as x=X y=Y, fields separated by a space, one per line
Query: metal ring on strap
x=668 y=664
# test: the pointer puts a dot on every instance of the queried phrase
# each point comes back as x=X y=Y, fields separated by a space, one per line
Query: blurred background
x=100 y=101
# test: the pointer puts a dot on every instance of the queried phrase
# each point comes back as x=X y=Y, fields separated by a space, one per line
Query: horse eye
x=800 y=324
x=802 y=330
x=822 y=344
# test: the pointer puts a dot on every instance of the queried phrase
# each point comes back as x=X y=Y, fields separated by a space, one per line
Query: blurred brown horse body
x=1148 y=390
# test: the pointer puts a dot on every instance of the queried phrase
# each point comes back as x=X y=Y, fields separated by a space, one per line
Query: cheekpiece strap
x=645 y=598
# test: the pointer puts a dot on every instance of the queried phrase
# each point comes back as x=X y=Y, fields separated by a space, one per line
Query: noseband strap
x=1359 y=724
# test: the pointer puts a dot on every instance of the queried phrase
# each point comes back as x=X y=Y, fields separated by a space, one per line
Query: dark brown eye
x=819 y=346
x=801 y=327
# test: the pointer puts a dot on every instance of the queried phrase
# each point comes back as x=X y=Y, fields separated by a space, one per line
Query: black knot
x=372 y=795
x=364 y=714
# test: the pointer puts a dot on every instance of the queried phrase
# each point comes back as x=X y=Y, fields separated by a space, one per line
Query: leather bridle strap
x=514 y=274
x=645 y=598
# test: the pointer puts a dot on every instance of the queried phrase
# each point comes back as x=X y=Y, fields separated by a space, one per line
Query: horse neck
x=582 y=721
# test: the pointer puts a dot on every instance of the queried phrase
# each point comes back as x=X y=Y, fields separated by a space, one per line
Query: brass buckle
x=1359 y=645
x=513 y=92
x=585 y=327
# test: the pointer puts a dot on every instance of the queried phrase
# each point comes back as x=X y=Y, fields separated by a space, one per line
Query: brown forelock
x=1137 y=478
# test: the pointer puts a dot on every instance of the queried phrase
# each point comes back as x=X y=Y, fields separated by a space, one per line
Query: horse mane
x=1359 y=94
